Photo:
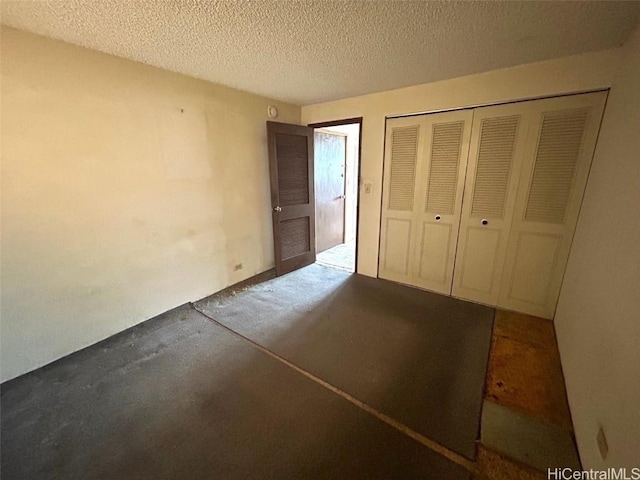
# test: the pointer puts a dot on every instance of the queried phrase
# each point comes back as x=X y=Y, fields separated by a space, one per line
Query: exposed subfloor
x=525 y=416
x=317 y=374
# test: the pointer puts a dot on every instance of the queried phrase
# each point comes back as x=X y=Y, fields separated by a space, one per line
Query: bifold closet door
x=404 y=145
x=482 y=204
x=556 y=164
x=425 y=163
x=440 y=188
x=497 y=143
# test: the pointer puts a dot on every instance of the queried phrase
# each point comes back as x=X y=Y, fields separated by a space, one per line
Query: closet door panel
x=404 y=146
x=497 y=143
x=442 y=176
x=481 y=249
x=535 y=259
x=397 y=247
x=435 y=254
x=555 y=169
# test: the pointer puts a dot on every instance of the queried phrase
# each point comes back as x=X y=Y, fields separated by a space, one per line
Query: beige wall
x=598 y=315
x=567 y=75
x=126 y=191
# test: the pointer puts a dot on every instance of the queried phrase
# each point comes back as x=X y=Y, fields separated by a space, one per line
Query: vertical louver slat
x=404 y=154
x=443 y=170
x=558 y=152
x=495 y=158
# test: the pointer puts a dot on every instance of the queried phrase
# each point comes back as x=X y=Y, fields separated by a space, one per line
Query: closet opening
x=336 y=172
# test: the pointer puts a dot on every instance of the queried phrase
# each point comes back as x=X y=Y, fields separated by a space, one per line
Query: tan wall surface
x=598 y=315
x=566 y=75
x=126 y=191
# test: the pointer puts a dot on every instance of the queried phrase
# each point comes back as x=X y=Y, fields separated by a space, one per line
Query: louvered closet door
x=440 y=184
x=497 y=143
x=555 y=168
x=404 y=145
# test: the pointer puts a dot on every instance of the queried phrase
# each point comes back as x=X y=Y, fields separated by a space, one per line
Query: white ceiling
x=313 y=51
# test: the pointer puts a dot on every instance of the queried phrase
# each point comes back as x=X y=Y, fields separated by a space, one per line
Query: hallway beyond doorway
x=341 y=256
x=336 y=168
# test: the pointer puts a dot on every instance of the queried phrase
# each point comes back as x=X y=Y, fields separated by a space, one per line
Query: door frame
x=491 y=104
x=336 y=123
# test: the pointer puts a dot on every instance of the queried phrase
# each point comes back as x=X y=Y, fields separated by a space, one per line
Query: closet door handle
x=485 y=221
x=437 y=217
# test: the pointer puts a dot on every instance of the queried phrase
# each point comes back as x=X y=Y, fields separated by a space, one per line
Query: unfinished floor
x=317 y=374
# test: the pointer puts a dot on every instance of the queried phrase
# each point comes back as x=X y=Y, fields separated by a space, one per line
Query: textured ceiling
x=313 y=51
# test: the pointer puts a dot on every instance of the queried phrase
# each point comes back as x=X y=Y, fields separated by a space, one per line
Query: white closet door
x=497 y=141
x=555 y=168
x=404 y=145
x=441 y=182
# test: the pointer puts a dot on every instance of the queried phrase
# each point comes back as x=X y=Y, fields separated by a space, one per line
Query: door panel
x=398 y=241
x=403 y=147
x=441 y=175
x=292 y=195
x=292 y=168
x=330 y=168
x=497 y=142
x=556 y=164
x=403 y=165
x=425 y=164
x=295 y=238
x=477 y=270
x=536 y=257
x=434 y=253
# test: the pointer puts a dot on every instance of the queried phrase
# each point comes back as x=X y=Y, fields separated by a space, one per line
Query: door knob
x=485 y=221
x=277 y=209
x=437 y=217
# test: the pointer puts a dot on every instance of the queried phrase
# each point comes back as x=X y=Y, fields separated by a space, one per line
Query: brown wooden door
x=292 y=195
x=330 y=151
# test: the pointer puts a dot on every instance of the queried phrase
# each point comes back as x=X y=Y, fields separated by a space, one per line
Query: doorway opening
x=336 y=172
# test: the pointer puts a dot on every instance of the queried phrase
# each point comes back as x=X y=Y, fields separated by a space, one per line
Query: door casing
x=350 y=121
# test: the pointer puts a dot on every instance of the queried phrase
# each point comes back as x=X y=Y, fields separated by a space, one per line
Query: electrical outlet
x=237 y=267
x=601 y=440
